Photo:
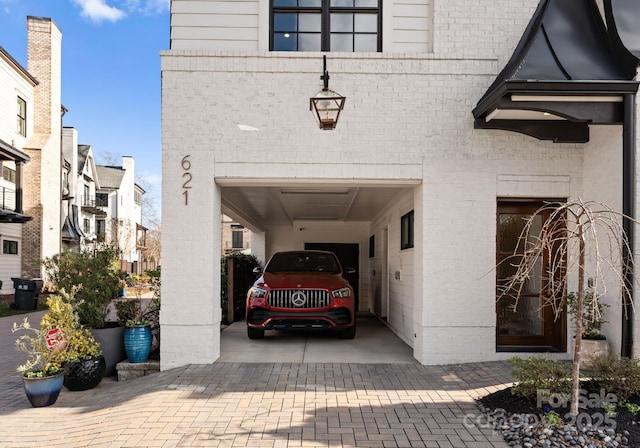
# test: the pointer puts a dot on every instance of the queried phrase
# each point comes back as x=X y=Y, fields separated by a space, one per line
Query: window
x=236 y=239
x=9 y=174
x=102 y=200
x=86 y=200
x=100 y=227
x=22 y=117
x=326 y=25
x=406 y=231
x=9 y=247
x=372 y=246
x=137 y=197
x=86 y=226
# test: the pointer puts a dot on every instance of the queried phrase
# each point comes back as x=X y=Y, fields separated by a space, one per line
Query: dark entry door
x=349 y=256
x=530 y=324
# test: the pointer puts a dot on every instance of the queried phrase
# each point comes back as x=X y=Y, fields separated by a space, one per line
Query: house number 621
x=186 y=166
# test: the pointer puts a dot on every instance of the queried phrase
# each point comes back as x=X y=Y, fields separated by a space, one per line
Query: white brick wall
x=407 y=118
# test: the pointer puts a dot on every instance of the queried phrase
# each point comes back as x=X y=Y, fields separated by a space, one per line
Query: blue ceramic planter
x=43 y=391
x=137 y=343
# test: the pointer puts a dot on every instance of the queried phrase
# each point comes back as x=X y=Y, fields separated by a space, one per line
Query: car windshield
x=303 y=262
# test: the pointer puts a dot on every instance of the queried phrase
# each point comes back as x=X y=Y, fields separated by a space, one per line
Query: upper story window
x=102 y=199
x=9 y=174
x=137 y=197
x=22 y=117
x=326 y=25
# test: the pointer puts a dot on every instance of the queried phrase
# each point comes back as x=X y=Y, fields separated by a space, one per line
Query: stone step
x=129 y=370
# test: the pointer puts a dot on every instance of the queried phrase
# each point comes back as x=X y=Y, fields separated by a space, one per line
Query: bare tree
x=583 y=238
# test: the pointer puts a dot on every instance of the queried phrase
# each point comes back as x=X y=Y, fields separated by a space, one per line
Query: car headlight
x=257 y=293
x=341 y=293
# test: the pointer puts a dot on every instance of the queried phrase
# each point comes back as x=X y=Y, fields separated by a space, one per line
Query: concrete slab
x=374 y=343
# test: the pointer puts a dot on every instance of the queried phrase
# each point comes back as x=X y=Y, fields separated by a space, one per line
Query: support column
x=628 y=209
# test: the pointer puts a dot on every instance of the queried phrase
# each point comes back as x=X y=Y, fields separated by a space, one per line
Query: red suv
x=302 y=289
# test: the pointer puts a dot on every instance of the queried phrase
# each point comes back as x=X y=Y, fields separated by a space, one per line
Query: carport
x=352 y=219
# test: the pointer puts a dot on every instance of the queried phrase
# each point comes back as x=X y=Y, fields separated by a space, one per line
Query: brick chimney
x=41 y=180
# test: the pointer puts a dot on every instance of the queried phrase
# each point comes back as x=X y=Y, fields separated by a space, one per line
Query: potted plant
x=593 y=341
x=47 y=349
x=132 y=313
x=98 y=273
x=85 y=366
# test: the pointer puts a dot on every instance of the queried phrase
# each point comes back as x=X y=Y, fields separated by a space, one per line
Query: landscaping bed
x=522 y=423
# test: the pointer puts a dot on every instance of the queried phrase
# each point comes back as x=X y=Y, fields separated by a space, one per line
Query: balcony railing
x=8 y=198
x=93 y=201
x=93 y=205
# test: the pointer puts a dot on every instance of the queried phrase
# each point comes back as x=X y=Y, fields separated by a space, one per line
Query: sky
x=110 y=73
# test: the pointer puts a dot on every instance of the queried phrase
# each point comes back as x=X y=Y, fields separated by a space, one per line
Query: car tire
x=255 y=333
x=349 y=333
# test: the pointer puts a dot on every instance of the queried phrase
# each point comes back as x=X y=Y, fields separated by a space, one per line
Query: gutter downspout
x=628 y=209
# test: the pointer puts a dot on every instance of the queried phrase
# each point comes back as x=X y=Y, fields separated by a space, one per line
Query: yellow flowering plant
x=59 y=340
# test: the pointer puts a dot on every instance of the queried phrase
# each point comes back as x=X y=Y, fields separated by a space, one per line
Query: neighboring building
x=42 y=192
x=65 y=204
x=32 y=96
x=16 y=93
x=121 y=198
x=406 y=182
x=235 y=237
x=83 y=212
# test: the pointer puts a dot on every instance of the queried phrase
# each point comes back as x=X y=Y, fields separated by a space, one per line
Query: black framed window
x=86 y=226
x=236 y=239
x=9 y=247
x=102 y=199
x=9 y=174
x=326 y=25
x=22 y=117
x=406 y=231
x=372 y=246
x=100 y=227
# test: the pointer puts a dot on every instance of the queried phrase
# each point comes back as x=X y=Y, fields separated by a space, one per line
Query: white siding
x=10 y=263
x=214 y=25
x=12 y=85
x=412 y=26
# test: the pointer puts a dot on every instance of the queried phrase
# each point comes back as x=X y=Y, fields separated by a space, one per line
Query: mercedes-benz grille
x=299 y=298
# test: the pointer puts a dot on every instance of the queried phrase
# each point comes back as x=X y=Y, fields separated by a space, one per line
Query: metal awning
x=563 y=76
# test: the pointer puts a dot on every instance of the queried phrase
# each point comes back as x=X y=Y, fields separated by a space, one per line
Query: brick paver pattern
x=264 y=405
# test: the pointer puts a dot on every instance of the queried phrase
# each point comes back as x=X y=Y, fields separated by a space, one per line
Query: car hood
x=280 y=280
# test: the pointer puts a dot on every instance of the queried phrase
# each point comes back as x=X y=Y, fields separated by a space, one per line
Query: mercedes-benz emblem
x=298 y=299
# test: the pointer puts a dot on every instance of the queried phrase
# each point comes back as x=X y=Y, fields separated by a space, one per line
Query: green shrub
x=538 y=373
x=99 y=276
x=620 y=376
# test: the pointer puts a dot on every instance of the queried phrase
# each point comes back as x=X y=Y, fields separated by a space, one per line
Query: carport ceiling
x=261 y=206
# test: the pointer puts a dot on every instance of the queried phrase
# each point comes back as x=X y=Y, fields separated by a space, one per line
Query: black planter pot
x=85 y=374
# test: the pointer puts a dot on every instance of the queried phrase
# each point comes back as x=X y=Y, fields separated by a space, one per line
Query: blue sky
x=110 y=72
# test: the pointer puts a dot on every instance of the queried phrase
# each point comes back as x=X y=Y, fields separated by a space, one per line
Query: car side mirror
x=349 y=271
x=257 y=270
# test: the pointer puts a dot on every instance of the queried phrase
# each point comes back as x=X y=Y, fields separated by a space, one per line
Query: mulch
x=513 y=404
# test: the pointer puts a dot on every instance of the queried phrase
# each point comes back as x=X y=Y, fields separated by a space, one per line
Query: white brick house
x=404 y=175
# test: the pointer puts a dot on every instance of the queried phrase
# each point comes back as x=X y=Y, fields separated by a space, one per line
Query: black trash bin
x=26 y=295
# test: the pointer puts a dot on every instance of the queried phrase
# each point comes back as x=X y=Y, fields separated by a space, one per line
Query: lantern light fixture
x=326 y=104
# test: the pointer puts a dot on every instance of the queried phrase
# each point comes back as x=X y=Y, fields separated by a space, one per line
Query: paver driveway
x=236 y=404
